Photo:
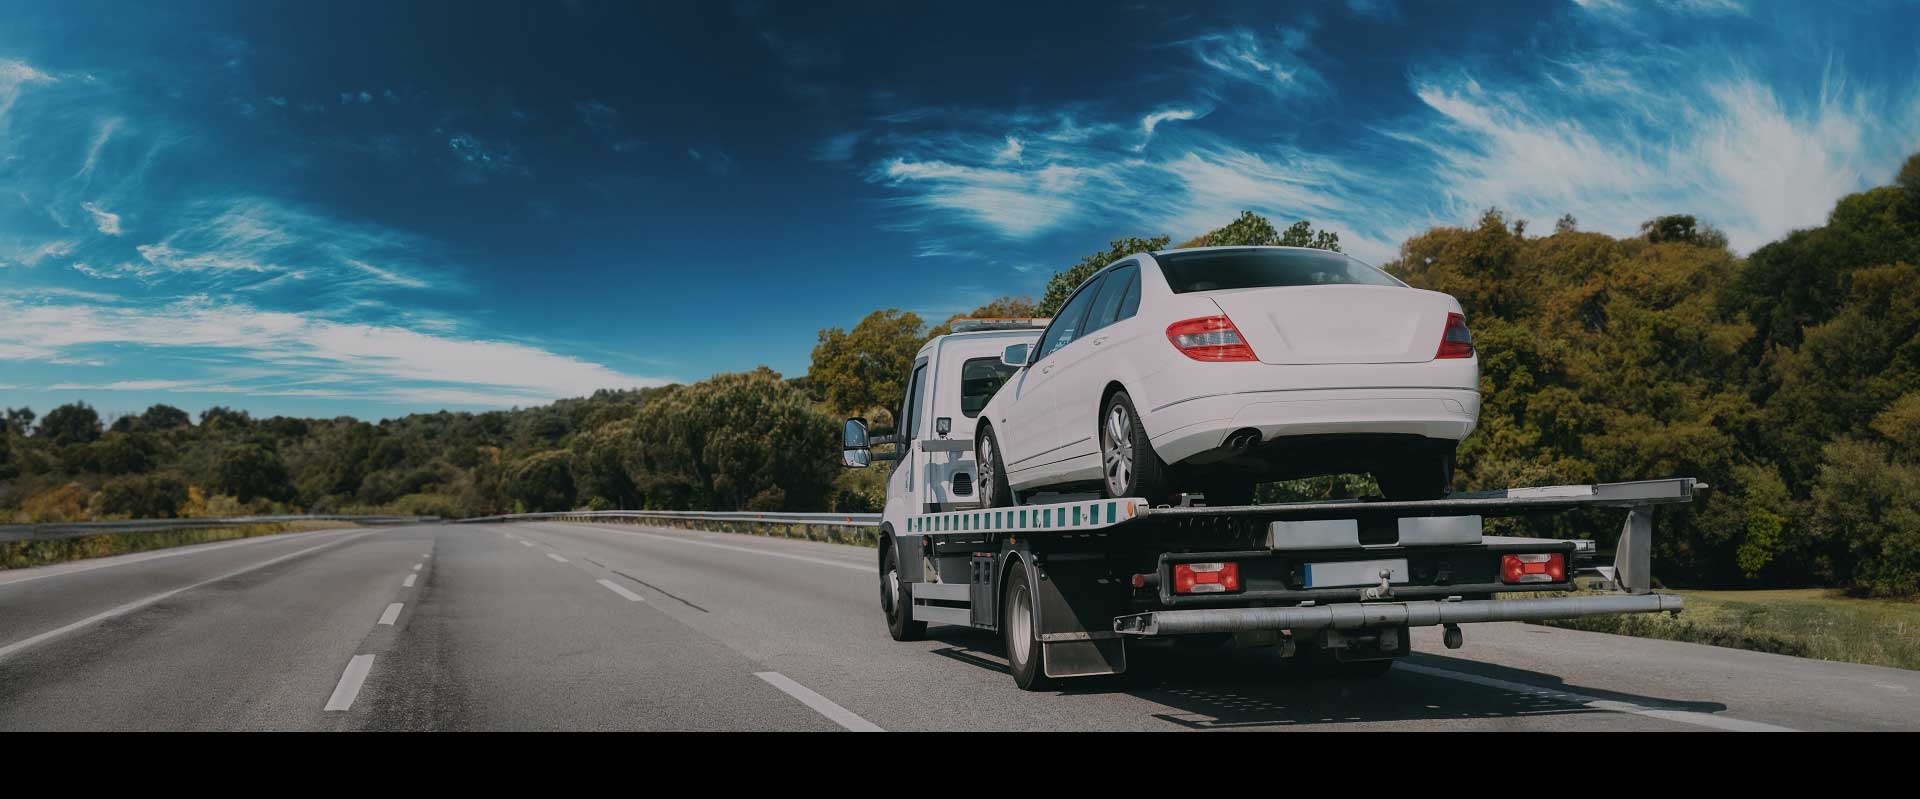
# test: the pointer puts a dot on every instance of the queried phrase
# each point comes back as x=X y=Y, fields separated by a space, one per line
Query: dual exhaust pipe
x=1242 y=440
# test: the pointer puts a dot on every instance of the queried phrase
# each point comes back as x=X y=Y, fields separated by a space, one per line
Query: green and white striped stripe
x=1059 y=517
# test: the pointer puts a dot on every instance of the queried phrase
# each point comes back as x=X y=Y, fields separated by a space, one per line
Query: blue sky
x=375 y=208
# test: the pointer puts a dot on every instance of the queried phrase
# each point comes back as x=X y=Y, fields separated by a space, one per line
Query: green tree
x=542 y=482
x=141 y=497
x=73 y=423
x=727 y=441
x=164 y=417
x=19 y=420
x=599 y=464
x=249 y=471
x=1062 y=284
x=866 y=367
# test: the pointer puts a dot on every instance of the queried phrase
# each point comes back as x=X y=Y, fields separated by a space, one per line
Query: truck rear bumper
x=1387 y=614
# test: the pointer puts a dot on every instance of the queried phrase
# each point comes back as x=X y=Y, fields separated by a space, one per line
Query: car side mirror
x=855 y=451
x=1016 y=355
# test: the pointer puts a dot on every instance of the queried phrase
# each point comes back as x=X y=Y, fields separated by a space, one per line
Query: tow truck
x=1070 y=581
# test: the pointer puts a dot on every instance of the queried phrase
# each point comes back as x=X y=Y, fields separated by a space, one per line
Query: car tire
x=1128 y=465
x=1426 y=473
x=995 y=493
x=1026 y=657
x=896 y=600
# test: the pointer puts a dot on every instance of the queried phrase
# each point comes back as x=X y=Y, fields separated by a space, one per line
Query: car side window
x=1070 y=323
x=1130 y=303
x=1106 y=308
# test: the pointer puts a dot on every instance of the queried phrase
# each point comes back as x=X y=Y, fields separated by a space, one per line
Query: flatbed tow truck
x=1070 y=582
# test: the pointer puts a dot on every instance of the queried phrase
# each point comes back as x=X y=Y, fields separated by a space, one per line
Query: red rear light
x=1457 y=342
x=1206 y=578
x=1541 y=568
x=1210 y=338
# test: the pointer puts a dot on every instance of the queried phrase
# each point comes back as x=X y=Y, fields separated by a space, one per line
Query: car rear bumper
x=1185 y=428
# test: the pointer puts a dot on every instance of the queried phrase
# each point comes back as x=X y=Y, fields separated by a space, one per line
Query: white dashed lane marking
x=393 y=612
x=408 y=583
x=350 y=682
x=622 y=590
x=557 y=558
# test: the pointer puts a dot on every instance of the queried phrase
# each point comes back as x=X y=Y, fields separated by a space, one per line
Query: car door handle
x=1099 y=341
x=1048 y=369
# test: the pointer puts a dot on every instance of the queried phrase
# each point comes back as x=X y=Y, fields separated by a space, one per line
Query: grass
x=22 y=554
x=1810 y=622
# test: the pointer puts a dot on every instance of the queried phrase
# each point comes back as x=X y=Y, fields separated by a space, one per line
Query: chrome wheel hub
x=985 y=468
x=1020 y=625
x=1116 y=450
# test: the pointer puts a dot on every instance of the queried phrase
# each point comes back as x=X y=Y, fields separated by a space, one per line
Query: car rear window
x=1214 y=270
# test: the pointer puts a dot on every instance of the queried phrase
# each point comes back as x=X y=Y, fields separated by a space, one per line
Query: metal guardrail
x=840 y=528
x=50 y=532
x=828 y=519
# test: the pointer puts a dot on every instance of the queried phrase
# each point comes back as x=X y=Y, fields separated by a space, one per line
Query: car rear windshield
x=1214 y=270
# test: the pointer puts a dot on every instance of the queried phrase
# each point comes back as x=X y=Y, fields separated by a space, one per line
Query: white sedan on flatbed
x=1215 y=368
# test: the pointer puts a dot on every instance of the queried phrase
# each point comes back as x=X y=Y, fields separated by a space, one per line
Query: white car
x=1212 y=369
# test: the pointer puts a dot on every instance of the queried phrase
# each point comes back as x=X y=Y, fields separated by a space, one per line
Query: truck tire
x=994 y=491
x=896 y=599
x=1128 y=465
x=1026 y=658
x=1425 y=473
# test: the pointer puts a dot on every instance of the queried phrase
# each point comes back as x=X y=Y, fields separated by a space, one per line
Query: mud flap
x=1078 y=601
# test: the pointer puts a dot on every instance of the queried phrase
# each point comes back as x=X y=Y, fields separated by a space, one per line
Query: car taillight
x=1206 y=578
x=1457 y=342
x=1533 y=568
x=1210 y=338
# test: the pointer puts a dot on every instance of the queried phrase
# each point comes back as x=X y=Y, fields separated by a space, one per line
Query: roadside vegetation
x=1789 y=380
x=22 y=554
x=1805 y=622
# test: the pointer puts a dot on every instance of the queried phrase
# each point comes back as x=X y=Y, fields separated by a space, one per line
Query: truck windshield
x=1214 y=270
x=979 y=378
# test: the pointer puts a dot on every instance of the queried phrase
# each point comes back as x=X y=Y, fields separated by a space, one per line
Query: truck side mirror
x=1016 y=355
x=855 y=451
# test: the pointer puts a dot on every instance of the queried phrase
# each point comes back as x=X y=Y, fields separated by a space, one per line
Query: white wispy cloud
x=1276 y=63
x=13 y=76
x=288 y=347
x=1151 y=121
x=106 y=221
x=838 y=147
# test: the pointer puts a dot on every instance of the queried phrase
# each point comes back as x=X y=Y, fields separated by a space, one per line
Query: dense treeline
x=1789 y=380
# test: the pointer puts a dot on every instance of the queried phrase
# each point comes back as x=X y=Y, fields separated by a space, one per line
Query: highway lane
x=595 y=626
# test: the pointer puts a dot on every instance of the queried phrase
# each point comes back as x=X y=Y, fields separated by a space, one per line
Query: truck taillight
x=1210 y=338
x=1541 y=568
x=1206 y=578
x=1457 y=341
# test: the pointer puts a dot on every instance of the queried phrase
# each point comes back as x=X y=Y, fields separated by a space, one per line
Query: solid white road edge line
x=350 y=682
x=823 y=561
x=820 y=704
x=1683 y=716
x=141 y=603
x=622 y=590
x=17 y=576
x=392 y=612
x=556 y=557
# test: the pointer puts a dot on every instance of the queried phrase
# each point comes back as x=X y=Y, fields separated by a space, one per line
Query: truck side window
x=979 y=378
x=1106 y=308
x=910 y=415
x=1068 y=325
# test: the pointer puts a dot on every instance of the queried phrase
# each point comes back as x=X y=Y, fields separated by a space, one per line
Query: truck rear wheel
x=1026 y=658
x=994 y=491
x=896 y=598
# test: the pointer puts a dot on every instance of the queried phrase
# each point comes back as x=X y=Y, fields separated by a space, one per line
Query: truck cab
x=951 y=379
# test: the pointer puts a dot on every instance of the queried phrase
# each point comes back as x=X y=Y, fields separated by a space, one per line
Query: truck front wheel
x=1026 y=658
x=896 y=598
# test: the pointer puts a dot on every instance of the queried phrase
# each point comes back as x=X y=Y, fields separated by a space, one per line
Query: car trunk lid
x=1338 y=324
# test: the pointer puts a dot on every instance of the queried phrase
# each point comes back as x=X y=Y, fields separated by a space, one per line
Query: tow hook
x=1382 y=591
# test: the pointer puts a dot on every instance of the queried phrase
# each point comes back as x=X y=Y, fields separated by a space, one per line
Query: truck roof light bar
x=1006 y=323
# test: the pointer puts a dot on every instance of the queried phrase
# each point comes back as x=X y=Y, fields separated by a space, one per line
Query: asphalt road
x=613 y=627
